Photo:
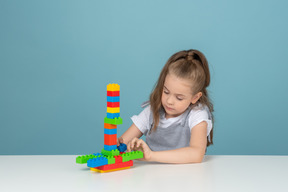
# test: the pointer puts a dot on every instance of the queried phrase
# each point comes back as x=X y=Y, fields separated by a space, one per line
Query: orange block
x=109 y=126
x=110 y=139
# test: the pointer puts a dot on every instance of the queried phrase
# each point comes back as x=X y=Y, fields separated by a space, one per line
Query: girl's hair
x=189 y=64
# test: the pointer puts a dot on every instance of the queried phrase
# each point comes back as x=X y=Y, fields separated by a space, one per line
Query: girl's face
x=177 y=95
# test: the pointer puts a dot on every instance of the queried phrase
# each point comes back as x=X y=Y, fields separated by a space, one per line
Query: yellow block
x=113 y=109
x=101 y=171
x=113 y=87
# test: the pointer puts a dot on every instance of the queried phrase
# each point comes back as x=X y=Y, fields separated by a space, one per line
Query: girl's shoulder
x=198 y=114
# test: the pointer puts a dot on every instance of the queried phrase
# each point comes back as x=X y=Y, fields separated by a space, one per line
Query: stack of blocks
x=111 y=158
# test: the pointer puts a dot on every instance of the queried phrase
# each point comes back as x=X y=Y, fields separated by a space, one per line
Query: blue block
x=122 y=147
x=113 y=115
x=110 y=131
x=110 y=147
x=113 y=99
x=96 y=162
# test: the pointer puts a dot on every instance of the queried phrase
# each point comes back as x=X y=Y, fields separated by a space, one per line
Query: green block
x=115 y=121
x=84 y=158
x=111 y=159
x=110 y=153
x=132 y=155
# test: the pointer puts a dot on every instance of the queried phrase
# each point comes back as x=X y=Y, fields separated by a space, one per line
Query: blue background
x=56 y=58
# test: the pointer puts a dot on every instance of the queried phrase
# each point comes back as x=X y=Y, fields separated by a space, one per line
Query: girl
x=178 y=120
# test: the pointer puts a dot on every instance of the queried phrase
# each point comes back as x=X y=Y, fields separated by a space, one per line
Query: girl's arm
x=129 y=134
x=192 y=154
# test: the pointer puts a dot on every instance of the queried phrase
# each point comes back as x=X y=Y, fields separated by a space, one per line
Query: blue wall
x=56 y=58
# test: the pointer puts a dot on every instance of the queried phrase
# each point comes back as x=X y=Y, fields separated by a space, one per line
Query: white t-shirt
x=196 y=116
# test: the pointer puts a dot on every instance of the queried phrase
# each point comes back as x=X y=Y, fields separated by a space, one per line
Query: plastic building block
x=111 y=159
x=110 y=131
x=115 y=121
x=115 y=166
x=84 y=158
x=113 y=87
x=110 y=147
x=96 y=162
x=110 y=139
x=113 y=115
x=122 y=147
x=118 y=159
x=113 y=104
x=113 y=110
x=101 y=171
x=113 y=99
x=110 y=153
x=110 y=126
x=132 y=155
x=113 y=93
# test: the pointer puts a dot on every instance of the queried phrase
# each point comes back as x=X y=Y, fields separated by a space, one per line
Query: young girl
x=178 y=119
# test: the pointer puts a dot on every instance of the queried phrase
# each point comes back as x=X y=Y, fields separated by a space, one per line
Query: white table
x=216 y=173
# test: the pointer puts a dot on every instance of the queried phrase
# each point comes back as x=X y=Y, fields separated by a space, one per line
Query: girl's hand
x=140 y=145
x=120 y=140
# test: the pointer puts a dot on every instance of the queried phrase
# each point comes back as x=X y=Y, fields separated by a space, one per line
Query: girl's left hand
x=140 y=145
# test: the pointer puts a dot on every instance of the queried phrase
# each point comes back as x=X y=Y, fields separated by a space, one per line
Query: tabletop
x=215 y=173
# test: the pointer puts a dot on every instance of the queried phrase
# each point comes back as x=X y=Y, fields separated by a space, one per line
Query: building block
x=113 y=93
x=132 y=155
x=101 y=171
x=118 y=159
x=110 y=131
x=110 y=139
x=113 y=110
x=122 y=147
x=110 y=147
x=111 y=159
x=113 y=99
x=96 y=162
x=84 y=158
x=110 y=153
x=113 y=87
x=113 y=104
x=115 y=166
x=115 y=121
x=110 y=126
x=113 y=115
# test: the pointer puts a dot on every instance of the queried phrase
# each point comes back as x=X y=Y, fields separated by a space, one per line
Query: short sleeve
x=142 y=120
x=199 y=115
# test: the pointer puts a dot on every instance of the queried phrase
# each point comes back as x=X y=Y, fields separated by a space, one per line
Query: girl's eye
x=180 y=99
x=166 y=92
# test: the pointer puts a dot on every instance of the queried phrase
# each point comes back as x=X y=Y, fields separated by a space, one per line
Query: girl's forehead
x=178 y=85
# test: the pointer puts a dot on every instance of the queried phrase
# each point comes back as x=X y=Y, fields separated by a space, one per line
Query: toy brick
x=110 y=139
x=113 y=109
x=132 y=155
x=113 y=99
x=111 y=159
x=122 y=147
x=113 y=93
x=110 y=153
x=96 y=162
x=101 y=171
x=110 y=131
x=113 y=104
x=110 y=147
x=115 y=166
x=110 y=126
x=84 y=158
x=115 y=121
x=118 y=159
x=113 y=87
x=113 y=115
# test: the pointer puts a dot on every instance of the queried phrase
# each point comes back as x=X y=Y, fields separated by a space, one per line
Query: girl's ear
x=196 y=97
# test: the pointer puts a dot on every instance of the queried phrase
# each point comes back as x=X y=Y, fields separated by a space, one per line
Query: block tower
x=112 y=157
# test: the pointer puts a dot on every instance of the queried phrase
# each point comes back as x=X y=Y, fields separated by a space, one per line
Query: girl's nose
x=170 y=100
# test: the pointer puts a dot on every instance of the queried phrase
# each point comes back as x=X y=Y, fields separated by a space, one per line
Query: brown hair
x=189 y=64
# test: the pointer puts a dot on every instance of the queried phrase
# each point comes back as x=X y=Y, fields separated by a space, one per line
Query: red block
x=113 y=104
x=118 y=159
x=113 y=93
x=115 y=166
x=110 y=139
